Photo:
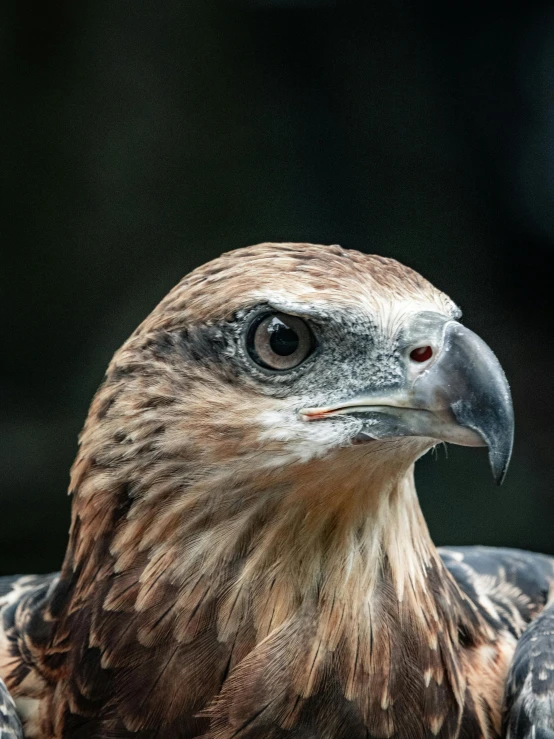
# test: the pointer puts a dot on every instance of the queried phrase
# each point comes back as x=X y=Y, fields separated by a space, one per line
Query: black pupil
x=282 y=339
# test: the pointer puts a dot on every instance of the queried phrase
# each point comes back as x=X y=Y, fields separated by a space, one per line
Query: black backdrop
x=140 y=139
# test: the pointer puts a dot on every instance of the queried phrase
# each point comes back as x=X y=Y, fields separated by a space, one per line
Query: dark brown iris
x=280 y=342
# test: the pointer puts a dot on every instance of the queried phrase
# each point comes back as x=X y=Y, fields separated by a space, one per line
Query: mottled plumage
x=247 y=555
x=10 y=725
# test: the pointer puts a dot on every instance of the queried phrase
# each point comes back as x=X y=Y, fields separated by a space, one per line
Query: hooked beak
x=461 y=396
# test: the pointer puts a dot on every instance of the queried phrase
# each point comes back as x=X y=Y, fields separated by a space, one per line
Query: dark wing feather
x=518 y=585
x=510 y=586
x=21 y=619
x=529 y=698
x=10 y=726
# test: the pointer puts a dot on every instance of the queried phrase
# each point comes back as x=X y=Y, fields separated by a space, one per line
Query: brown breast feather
x=174 y=615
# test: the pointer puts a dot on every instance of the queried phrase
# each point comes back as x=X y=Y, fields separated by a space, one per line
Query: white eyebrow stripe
x=386 y=314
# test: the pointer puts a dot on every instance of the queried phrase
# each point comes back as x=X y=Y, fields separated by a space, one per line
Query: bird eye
x=421 y=354
x=279 y=342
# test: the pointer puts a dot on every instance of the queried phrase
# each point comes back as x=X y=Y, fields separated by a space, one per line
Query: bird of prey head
x=246 y=535
x=282 y=354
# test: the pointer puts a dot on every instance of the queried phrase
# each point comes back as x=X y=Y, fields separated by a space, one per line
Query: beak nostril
x=421 y=354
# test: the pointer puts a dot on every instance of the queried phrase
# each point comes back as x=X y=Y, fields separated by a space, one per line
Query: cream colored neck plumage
x=322 y=567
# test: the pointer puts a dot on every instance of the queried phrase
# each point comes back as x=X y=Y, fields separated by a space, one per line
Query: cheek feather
x=301 y=441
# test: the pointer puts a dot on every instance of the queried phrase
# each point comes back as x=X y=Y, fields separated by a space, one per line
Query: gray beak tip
x=486 y=404
x=501 y=444
x=499 y=459
x=498 y=471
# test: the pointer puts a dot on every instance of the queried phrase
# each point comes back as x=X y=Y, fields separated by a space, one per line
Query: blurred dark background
x=140 y=139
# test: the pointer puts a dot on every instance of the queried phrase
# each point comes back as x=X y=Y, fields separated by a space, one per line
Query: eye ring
x=279 y=342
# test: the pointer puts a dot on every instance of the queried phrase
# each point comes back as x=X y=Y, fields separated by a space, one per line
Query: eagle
x=247 y=557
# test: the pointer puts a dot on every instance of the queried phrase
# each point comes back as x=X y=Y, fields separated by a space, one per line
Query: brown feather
x=221 y=582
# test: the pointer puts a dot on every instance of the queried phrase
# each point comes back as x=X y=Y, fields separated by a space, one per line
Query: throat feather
x=333 y=534
x=304 y=586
